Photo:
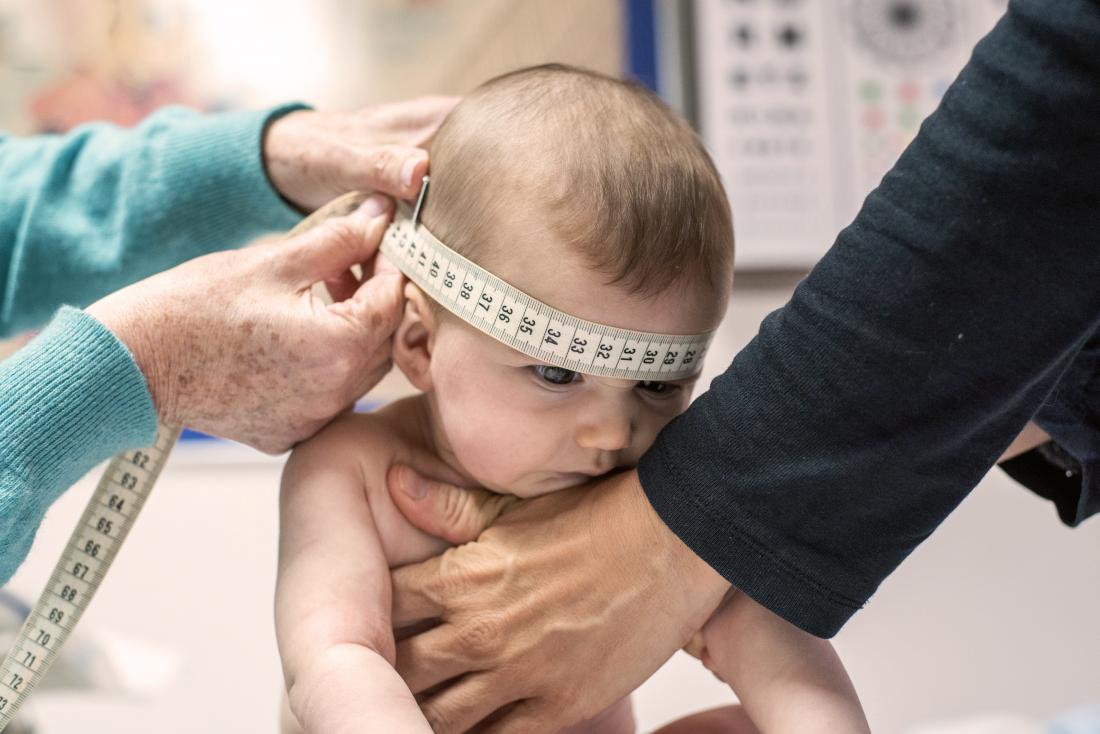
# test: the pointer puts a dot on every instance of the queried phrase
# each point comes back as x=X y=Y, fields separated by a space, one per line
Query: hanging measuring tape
x=92 y=547
x=459 y=285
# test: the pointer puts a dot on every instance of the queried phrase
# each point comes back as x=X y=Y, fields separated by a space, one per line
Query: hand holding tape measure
x=459 y=285
x=128 y=479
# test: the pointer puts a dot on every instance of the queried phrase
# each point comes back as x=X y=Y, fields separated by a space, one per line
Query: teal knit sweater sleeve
x=81 y=215
x=68 y=400
x=86 y=213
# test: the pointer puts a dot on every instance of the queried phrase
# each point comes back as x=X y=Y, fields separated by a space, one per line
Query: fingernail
x=413 y=485
x=374 y=206
x=407 y=169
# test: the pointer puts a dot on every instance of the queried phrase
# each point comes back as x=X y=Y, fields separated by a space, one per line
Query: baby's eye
x=660 y=388
x=556 y=375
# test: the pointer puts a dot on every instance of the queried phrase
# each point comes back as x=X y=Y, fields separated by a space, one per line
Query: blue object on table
x=363 y=406
x=14 y=604
x=1084 y=719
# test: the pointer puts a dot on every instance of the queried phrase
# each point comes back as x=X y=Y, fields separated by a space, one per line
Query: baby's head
x=591 y=195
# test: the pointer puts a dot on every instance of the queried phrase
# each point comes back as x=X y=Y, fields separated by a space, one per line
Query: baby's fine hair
x=603 y=162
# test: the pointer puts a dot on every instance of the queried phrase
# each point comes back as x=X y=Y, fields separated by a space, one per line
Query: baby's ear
x=412 y=344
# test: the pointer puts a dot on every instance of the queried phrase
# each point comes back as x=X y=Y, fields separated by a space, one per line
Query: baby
x=589 y=194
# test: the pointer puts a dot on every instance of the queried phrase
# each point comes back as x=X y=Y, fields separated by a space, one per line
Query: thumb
x=366 y=322
x=452 y=513
x=391 y=169
x=333 y=239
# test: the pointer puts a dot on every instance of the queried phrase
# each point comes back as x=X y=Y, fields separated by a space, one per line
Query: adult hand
x=312 y=157
x=566 y=603
x=236 y=343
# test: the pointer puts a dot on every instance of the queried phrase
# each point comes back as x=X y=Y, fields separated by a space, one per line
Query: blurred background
x=804 y=104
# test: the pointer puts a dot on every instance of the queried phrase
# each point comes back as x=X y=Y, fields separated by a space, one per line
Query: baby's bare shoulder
x=363 y=447
x=368 y=441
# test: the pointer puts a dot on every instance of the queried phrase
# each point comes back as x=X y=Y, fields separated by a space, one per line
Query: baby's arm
x=1028 y=439
x=786 y=679
x=332 y=599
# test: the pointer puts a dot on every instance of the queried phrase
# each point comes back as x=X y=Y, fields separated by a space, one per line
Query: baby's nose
x=606 y=430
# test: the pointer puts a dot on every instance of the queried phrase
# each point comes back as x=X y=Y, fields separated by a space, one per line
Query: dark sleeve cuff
x=1054 y=474
x=1066 y=470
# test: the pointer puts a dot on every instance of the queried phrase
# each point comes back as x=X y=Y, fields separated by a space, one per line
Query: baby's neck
x=419 y=416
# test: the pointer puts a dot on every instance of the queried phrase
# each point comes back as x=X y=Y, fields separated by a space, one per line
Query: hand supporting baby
x=655 y=597
x=592 y=649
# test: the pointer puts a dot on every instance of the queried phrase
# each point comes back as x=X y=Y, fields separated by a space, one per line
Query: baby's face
x=519 y=426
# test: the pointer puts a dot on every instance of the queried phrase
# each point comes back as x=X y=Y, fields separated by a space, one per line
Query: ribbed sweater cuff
x=231 y=169
x=68 y=400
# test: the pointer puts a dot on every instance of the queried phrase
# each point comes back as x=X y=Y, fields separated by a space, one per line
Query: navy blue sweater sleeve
x=940 y=321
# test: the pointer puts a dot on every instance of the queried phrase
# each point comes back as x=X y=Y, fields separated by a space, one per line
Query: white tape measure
x=92 y=547
x=527 y=324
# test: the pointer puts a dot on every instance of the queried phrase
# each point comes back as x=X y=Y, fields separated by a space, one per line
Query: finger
x=695 y=646
x=383 y=292
x=452 y=513
x=365 y=323
x=377 y=265
x=396 y=170
x=421 y=662
x=334 y=244
x=341 y=206
x=411 y=123
x=382 y=264
x=374 y=311
x=342 y=287
x=524 y=717
x=459 y=707
x=414 y=592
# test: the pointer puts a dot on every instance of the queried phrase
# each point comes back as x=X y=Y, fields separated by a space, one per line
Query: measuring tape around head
x=92 y=547
x=527 y=324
